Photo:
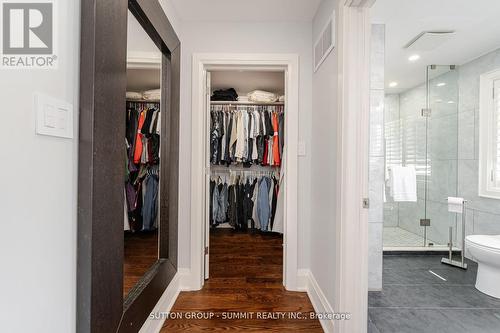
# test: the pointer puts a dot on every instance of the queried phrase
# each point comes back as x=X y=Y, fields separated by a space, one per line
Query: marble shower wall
x=453 y=151
x=376 y=158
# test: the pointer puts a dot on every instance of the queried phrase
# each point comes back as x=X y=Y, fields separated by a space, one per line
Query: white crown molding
x=144 y=60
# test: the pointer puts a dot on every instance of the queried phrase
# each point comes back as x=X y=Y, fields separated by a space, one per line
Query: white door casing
x=288 y=63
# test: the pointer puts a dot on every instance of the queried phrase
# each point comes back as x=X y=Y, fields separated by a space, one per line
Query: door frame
x=351 y=241
x=100 y=249
x=202 y=62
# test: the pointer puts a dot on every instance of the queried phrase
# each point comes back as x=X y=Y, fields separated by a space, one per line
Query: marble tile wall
x=483 y=214
x=393 y=153
x=453 y=152
x=376 y=158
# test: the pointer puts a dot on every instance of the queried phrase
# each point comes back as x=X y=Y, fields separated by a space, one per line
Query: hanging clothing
x=246 y=135
x=276 y=150
x=142 y=174
x=150 y=209
x=279 y=216
x=138 y=139
x=263 y=207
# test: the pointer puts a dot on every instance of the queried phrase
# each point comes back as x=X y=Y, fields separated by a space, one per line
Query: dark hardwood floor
x=246 y=274
x=141 y=252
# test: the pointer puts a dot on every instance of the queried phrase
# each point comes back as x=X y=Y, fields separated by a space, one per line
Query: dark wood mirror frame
x=103 y=67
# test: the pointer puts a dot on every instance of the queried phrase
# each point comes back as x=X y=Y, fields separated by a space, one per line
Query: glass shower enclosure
x=421 y=132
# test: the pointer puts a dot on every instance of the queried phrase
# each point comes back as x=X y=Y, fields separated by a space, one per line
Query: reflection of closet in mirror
x=141 y=206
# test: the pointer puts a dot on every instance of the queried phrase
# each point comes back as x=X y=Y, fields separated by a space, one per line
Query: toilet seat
x=489 y=242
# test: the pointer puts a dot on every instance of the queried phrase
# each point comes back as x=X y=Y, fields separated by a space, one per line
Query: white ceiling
x=245 y=10
x=476 y=23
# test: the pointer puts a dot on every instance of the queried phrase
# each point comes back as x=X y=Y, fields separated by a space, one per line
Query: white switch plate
x=53 y=117
x=302 y=148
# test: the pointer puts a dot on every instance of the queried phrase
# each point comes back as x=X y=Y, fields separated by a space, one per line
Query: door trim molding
x=202 y=62
x=351 y=245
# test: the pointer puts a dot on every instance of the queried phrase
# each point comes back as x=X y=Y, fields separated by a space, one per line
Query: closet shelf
x=253 y=167
x=142 y=101
x=243 y=103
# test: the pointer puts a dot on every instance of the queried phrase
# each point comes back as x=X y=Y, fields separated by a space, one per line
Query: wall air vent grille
x=324 y=43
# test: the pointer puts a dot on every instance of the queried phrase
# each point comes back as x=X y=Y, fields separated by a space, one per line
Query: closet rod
x=244 y=103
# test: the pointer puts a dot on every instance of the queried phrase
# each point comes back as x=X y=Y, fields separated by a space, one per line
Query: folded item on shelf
x=224 y=95
x=262 y=96
x=152 y=95
x=281 y=98
x=133 y=95
x=242 y=98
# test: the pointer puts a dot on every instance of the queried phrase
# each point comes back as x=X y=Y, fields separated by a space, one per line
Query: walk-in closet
x=246 y=145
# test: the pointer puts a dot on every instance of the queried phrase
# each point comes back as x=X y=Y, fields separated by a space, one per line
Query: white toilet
x=485 y=249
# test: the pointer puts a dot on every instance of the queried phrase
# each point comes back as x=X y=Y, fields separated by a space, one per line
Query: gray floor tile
x=413 y=262
x=414 y=300
x=438 y=321
x=371 y=327
x=423 y=276
x=431 y=296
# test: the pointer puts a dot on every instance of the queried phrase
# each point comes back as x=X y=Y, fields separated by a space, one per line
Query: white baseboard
x=308 y=283
x=165 y=304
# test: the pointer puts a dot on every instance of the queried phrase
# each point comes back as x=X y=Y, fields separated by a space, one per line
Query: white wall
x=323 y=168
x=38 y=196
x=245 y=37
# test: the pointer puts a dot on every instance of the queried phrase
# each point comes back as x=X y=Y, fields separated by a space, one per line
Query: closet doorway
x=244 y=176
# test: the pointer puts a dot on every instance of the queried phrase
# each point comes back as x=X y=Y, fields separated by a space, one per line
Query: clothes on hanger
x=142 y=169
x=246 y=135
x=244 y=199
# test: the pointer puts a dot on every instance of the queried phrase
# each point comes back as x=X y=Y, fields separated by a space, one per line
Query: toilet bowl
x=485 y=249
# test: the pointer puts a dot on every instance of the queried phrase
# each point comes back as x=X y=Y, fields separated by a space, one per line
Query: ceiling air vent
x=325 y=43
x=429 y=40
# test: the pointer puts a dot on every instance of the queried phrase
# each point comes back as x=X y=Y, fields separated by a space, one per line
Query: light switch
x=49 y=116
x=53 y=117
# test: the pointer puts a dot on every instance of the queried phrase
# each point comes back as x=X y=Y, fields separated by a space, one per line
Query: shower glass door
x=421 y=132
x=441 y=170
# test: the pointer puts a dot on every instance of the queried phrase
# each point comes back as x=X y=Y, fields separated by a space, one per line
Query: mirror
x=142 y=161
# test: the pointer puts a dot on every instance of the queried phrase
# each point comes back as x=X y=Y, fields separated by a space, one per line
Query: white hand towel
x=403 y=183
x=455 y=205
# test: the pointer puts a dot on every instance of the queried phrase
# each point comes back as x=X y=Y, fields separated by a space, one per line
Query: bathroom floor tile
x=432 y=296
x=434 y=320
x=415 y=300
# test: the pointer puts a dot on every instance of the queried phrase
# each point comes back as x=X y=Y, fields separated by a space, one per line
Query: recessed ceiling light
x=393 y=84
x=414 y=57
x=440 y=84
x=451 y=102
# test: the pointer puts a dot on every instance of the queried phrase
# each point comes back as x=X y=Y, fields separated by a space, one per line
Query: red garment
x=276 y=150
x=138 y=139
x=264 y=158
